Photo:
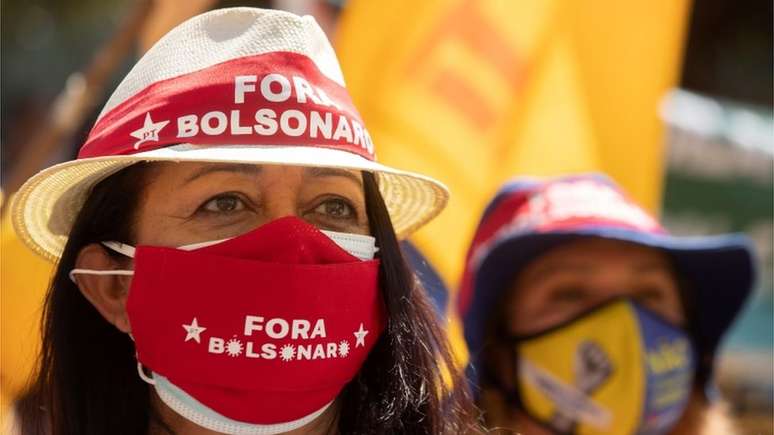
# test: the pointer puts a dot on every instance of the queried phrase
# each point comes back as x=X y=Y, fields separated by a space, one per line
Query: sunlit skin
x=580 y=275
x=185 y=203
x=573 y=278
x=192 y=202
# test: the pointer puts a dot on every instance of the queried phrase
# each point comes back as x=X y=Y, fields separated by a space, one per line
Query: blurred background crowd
x=671 y=98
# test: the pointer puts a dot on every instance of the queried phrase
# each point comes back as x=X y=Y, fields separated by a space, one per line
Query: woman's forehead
x=588 y=255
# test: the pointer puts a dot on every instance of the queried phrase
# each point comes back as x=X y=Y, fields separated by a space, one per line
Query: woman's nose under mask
x=360 y=246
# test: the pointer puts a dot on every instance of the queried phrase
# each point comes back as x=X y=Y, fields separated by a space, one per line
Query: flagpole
x=82 y=92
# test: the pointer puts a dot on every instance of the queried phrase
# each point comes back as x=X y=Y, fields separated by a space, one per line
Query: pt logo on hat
x=286 y=340
x=149 y=131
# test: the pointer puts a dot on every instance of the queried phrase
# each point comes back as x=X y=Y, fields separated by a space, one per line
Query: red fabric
x=287 y=270
x=213 y=89
x=533 y=211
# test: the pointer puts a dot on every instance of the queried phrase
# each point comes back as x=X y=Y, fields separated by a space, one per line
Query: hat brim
x=45 y=207
x=719 y=268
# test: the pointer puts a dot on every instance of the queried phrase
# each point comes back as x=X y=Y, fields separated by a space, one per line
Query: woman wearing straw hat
x=228 y=255
x=583 y=316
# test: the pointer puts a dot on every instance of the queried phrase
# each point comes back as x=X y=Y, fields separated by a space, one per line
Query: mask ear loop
x=97 y=272
x=141 y=369
x=121 y=248
x=143 y=376
x=128 y=251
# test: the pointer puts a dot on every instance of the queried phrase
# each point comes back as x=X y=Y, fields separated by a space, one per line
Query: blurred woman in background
x=584 y=316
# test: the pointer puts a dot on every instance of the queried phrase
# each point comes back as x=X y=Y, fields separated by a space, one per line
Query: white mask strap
x=121 y=248
x=98 y=272
x=362 y=247
x=358 y=245
x=129 y=250
x=144 y=376
x=193 y=246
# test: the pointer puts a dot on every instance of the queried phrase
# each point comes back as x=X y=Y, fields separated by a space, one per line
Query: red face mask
x=262 y=329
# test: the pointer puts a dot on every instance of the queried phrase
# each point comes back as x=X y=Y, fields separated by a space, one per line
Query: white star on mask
x=149 y=131
x=193 y=330
x=360 y=336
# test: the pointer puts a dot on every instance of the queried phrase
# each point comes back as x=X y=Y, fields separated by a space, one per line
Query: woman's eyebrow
x=650 y=266
x=560 y=267
x=333 y=172
x=223 y=167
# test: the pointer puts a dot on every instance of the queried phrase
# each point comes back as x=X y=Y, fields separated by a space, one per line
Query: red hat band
x=276 y=98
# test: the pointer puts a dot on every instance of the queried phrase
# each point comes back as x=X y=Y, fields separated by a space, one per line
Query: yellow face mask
x=618 y=369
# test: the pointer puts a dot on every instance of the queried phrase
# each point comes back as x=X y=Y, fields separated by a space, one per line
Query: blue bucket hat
x=530 y=216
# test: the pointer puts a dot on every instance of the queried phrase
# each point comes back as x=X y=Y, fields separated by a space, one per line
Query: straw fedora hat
x=239 y=85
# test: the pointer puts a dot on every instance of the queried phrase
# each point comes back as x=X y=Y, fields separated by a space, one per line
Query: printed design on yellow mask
x=667 y=361
x=592 y=368
x=669 y=355
x=617 y=368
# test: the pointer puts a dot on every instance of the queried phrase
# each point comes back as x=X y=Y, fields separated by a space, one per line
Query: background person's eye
x=335 y=208
x=224 y=203
x=649 y=294
x=568 y=294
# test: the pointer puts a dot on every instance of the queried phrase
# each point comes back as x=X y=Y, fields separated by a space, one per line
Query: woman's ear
x=108 y=293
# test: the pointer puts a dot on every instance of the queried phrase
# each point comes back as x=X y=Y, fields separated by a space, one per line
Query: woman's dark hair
x=87 y=381
x=401 y=387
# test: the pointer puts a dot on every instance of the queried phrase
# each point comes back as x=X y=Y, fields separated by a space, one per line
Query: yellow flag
x=24 y=279
x=475 y=92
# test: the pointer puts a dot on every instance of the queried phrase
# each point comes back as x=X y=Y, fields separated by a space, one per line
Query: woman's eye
x=224 y=204
x=335 y=208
